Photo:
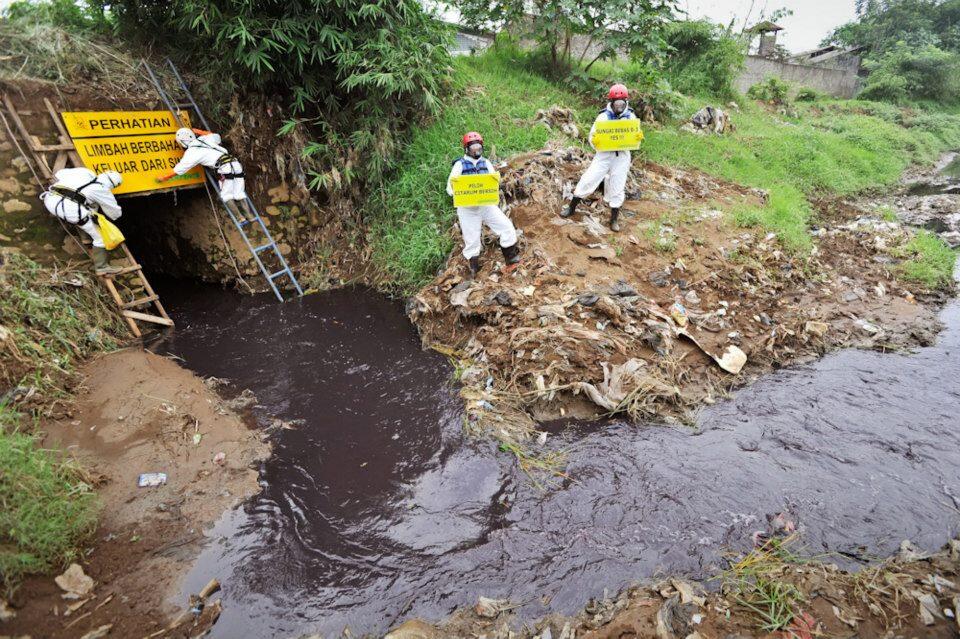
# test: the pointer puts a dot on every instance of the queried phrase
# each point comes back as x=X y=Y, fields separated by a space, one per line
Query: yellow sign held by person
x=617 y=135
x=139 y=145
x=476 y=190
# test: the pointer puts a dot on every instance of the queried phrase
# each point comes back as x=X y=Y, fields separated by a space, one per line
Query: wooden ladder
x=50 y=158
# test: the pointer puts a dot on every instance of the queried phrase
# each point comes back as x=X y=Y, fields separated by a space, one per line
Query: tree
x=605 y=28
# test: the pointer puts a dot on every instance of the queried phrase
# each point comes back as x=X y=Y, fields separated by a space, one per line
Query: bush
x=930 y=261
x=703 y=59
x=807 y=95
x=905 y=75
x=358 y=73
x=772 y=90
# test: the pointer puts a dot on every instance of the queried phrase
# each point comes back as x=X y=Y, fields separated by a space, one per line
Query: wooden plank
x=144 y=317
x=25 y=135
x=141 y=301
x=119 y=302
x=56 y=119
x=60 y=146
x=129 y=269
x=60 y=162
x=146 y=285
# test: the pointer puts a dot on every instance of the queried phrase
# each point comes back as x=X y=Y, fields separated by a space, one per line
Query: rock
x=245 y=399
x=284 y=248
x=74 y=582
x=867 y=327
x=9 y=185
x=414 y=629
x=503 y=298
x=279 y=194
x=689 y=593
x=16 y=206
x=674 y=619
x=19 y=164
x=622 y=289
x=587 y=299
x=732 y=360
x=929 y=609
x=691 y=298
x=816 y=328
x=6 y=613
x=490 y=608
x=272 y=210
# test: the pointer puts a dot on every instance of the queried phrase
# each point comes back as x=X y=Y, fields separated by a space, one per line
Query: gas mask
x=475 y=150
x=619 y=106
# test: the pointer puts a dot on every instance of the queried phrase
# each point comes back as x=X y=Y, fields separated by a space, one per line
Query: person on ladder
x=203 y=147
x=472 y=218
x=77 y=196
x=609 y=167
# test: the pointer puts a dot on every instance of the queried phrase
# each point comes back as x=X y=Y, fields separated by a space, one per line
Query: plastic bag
x=112 y=237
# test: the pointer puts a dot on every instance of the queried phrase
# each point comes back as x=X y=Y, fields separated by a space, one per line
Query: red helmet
x=472 y=137
x=617 y=92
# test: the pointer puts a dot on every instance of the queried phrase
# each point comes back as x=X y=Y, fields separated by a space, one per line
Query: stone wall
x=840 y=83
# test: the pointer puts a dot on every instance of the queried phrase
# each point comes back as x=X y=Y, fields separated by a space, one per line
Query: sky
x=812 y=20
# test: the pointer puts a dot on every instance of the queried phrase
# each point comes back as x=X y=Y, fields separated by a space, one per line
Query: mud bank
x=589 y=324
x=137 y=413
x=376 y=507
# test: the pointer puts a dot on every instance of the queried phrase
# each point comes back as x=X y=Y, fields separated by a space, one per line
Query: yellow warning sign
x=617 y=135
x=139 y=145
x=476 y=190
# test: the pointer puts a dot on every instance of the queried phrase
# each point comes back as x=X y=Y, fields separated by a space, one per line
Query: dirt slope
x=138 y=412
x=587 y=326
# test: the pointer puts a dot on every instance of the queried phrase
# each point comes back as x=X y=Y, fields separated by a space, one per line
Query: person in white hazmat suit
x=204 y=148
x=472 y=218
x=609 y=167
x=76 y=197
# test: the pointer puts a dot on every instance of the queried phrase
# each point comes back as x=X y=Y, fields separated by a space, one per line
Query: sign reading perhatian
x=476 y=190
x=139 y=145
x=617 y=135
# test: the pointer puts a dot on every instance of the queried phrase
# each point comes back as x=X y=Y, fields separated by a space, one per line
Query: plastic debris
x=149 y=480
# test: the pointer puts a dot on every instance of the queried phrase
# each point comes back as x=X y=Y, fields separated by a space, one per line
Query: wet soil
x=376 y=508
x=138 y=413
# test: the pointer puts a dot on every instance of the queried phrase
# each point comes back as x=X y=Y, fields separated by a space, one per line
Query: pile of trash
x=670 y=313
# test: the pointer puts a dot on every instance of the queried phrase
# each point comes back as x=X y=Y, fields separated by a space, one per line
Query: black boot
x=614 y=224
x=474 y=266
x=511 y=256
x=570 y=210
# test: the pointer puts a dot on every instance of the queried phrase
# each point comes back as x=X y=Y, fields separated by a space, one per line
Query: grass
x=54 y=318
x=815 y=149
x=929 y=261
x=48 y=509
x=411 y=217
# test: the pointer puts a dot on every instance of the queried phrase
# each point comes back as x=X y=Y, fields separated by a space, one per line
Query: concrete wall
x=841 y=83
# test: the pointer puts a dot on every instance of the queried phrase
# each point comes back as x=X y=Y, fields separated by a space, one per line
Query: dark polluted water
x=376 y=508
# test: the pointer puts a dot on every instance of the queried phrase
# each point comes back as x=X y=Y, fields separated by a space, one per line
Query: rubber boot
x=248 y=211
x=474 y=266
x=614 y=224
x=511 y=258
x=570 y=210
x=101 y=262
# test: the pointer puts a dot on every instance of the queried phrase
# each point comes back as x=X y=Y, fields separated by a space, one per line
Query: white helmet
x=114 y=179
x=185 y=136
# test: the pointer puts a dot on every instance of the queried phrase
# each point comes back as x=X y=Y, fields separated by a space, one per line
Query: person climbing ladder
x=203 y=147
x=472 y=218
x=77 y=196
x=609 y=167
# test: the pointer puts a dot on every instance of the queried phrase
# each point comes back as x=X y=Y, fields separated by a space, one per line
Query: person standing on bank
x=610 y=167
x=203 y=148
x=77 y=196
x=472 y=218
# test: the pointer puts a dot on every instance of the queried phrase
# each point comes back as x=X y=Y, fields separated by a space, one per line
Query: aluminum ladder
x=189 y=103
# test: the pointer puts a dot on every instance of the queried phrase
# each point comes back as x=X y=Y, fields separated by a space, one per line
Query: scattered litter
x=149 y=480
x=908 y=552
x=98 y=633
x=542 y=438
x=74 y=582
x=244 y=400
x=219 y=458
x=491 y=608
x=679 y=314
x=197 y=438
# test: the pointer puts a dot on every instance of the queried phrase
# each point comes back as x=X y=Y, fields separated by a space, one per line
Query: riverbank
x=138 y=413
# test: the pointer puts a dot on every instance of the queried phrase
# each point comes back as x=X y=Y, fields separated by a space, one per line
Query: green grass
x=47 y=508
x=411 y=216
x=821 y=148
x=930 y=262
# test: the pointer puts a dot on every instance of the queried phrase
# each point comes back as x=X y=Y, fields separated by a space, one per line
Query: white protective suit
x=95 y=188
x=611 y=166
x=206 y=150
x=473 y=217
